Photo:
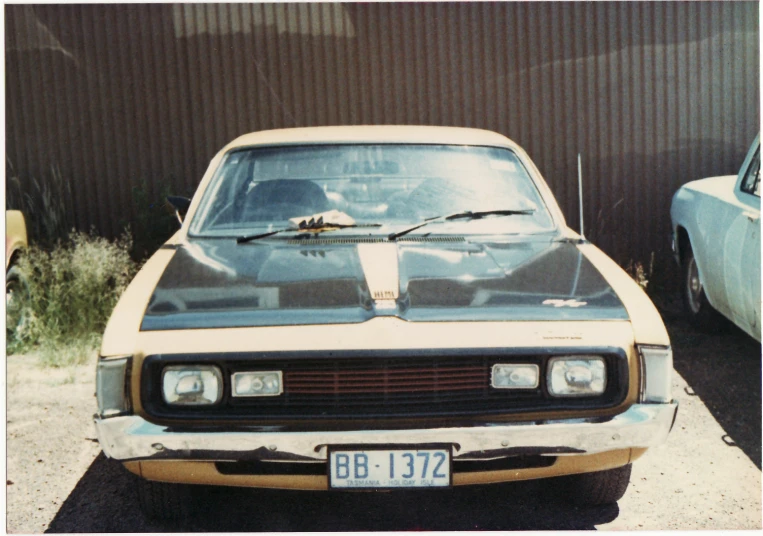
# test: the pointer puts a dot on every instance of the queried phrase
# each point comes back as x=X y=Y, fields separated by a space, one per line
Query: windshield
x=389 y=186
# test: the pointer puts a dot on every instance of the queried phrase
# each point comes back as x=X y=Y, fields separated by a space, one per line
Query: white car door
x=748 y=192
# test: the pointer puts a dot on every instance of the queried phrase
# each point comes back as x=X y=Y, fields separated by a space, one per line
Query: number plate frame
x=447 y=447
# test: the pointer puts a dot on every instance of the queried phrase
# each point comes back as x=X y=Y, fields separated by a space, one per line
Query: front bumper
x=641 y=426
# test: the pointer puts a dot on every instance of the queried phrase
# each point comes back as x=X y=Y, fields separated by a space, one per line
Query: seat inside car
x=284 y=198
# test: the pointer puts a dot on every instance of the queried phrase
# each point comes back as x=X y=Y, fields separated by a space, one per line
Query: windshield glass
x=393 y=186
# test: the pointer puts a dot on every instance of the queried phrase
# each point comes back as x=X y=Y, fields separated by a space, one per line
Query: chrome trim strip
x=642 y=425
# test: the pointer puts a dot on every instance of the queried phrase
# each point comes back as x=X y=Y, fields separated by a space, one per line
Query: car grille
x=387 y=380
x=376 y=386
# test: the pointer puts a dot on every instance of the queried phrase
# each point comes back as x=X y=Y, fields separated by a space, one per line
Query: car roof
x=373 y=134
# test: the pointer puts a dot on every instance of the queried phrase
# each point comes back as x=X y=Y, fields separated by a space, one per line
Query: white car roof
x=373 y=134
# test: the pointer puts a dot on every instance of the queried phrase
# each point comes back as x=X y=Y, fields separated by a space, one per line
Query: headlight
x=580 y=375
x=192 y=385
x=267 y=383
x=112 y=387
x=515 y=376
x=656 y=372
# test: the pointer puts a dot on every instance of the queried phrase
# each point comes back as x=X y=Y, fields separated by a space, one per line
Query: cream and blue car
x=379 y=308
x=716 y=241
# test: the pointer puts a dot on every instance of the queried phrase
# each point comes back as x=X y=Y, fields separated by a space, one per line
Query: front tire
x=161 y=501
x=16 y=295
x=701 y=314
x=599 y=488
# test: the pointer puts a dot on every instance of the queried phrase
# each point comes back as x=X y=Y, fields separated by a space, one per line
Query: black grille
x=377 y=386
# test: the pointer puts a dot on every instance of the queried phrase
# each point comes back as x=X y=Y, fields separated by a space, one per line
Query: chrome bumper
x=642 y=425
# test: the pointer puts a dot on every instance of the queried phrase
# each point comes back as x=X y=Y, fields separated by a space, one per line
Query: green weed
x=72 y=290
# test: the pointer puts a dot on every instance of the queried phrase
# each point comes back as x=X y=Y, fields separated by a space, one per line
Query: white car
x=716 y=241
x=376 y=308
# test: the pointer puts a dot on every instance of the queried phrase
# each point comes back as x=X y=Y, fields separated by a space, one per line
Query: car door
x=748 y=193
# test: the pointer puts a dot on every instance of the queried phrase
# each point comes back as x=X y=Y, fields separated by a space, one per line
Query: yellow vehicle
x=15 y=242
x=378 y=308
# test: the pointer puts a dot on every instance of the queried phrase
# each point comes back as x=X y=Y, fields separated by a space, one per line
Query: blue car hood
x=217 y=283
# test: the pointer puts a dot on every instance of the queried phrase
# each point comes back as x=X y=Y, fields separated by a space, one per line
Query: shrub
x=72 y=290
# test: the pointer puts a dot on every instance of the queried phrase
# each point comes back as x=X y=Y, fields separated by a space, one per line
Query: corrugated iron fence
x=652 y=94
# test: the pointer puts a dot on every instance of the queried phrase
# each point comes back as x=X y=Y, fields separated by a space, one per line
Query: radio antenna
x=580 y=195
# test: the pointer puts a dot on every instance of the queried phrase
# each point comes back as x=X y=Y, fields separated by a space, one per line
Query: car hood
x=216 y=283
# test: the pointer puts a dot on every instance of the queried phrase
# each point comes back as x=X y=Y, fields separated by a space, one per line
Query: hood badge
x=380 y=267
x=384 y=299
x=565 y=303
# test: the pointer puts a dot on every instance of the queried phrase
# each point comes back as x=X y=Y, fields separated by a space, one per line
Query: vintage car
x=15 y=287
x=376 y=308
x=716 y=241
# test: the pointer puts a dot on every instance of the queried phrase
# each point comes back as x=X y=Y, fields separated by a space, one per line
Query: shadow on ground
x=724 y=370
x=104 y=501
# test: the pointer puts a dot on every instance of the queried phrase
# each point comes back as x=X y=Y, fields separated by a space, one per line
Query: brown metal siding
x=652 y=94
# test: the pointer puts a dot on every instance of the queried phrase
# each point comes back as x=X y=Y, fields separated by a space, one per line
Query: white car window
x=751 y=182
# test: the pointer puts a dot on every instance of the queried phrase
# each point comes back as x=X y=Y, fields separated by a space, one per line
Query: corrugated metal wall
x=652 y=94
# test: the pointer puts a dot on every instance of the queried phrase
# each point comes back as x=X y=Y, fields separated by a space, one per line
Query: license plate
x=389 y=468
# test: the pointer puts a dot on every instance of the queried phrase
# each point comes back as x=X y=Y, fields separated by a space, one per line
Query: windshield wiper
x=465 y=215
x=314 y=227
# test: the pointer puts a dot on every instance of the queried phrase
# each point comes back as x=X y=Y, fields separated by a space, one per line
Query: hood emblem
x=565 y=303
x=380 y=267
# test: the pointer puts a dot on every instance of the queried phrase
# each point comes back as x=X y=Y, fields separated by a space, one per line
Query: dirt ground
x=50 y=438
x=707 y=476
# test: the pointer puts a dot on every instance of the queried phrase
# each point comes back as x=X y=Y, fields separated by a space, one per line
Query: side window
x=751 y=182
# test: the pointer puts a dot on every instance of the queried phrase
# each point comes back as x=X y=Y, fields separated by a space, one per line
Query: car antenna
x=580 y=196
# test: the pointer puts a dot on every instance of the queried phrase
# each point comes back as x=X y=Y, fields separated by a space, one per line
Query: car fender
x=646 y=321
x=15 y=235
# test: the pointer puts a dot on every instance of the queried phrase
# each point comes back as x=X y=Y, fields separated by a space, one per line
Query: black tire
x=599 y=488
x=16 y=294
x=161 y=501
x=700 y=313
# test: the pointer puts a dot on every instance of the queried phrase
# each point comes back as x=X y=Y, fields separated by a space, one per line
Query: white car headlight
x=580 y=375
x=192 y=385
x=656 y=374
x=258 y=383
x=112 y=387
x=522 y=376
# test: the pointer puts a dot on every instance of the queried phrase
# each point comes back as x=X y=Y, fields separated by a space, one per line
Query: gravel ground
x=707 y=476
x=50 y=438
